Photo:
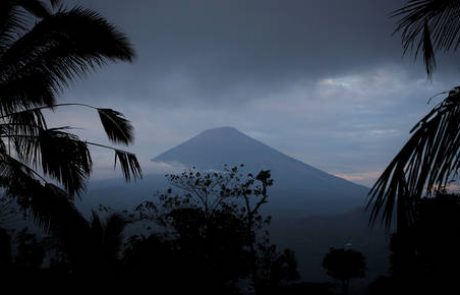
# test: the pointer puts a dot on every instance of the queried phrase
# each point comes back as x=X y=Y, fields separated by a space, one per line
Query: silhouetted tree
x=43 y=47
x=92 y=248
x=275 y=270
x=212 y=229
x=344 y=265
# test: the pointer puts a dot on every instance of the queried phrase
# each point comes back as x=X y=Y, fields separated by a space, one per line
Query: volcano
x=297 y=185
x=311 y=209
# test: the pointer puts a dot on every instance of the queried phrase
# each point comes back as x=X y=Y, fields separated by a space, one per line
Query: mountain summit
x=297 y=185
x=213 y=148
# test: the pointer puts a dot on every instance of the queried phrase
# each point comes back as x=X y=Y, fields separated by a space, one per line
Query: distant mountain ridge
x=297 y=185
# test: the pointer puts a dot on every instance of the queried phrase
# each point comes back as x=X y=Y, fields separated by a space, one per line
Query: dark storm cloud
x=213 y=50
x=323 y=81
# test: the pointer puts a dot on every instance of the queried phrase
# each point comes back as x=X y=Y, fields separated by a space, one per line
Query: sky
x=323 y=81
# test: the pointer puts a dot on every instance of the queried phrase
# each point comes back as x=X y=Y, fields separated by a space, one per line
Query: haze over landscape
x=232 y=147
x=322 y=83
x=312 y=210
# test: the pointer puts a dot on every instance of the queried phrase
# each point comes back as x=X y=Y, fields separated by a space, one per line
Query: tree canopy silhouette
x=344 y=265
x=210 y=226
x=43 y=47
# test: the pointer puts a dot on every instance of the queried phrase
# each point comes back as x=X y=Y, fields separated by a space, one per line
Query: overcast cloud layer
x=322 y=81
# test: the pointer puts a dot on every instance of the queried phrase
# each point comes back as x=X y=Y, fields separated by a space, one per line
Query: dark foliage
x=344 y=265
x=44 y=47
x=431 y=156
x=425 y=257
x=30 y=254
x=428 y=26
x=188 y=246
x=117 y=128
x=5 y=251
x=213 y=229
x=426 y=162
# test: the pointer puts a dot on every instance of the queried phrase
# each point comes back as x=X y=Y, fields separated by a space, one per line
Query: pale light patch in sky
x=365 y=178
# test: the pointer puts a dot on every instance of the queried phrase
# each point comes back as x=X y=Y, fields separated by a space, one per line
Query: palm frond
x=26 y=91
x=59 y=48
x=63 y=157
x=15 y=21
x=43 y=47
x=10 y=22
x=129 y=165
x=49 y=204
x=426 y=162
x=28 y=122
x=77 y=37
x=116 y=126
x=13 y=18
x=53 y=207
x=35 y=7
x=429 y=57
x=426 y=25
x=55 y=3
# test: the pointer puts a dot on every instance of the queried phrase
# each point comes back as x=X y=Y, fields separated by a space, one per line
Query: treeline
x=205 y=235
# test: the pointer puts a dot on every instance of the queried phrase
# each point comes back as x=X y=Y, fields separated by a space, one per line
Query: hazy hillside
x=312 y=210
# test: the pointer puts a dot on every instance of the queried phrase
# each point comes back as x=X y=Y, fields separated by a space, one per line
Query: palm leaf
x=59 y=48
x=117 y=128
x=426 y=25
x=26 y=122
x=26 y=91
x=55 y=3
x=62 y=156
x=13 y=20
x=79 y=36
x=65 y=158
x=53 y=207
x=35 y=7
x=426 y=162
x=10 y=22
x=40 y=53
x=42 y=199
x=129 y=165
x=428 y=51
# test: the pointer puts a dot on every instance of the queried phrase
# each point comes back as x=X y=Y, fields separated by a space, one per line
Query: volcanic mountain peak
x=214 y=148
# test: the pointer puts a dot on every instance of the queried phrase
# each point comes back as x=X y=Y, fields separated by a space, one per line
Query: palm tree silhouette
x=432 y=155
x=43 y=47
